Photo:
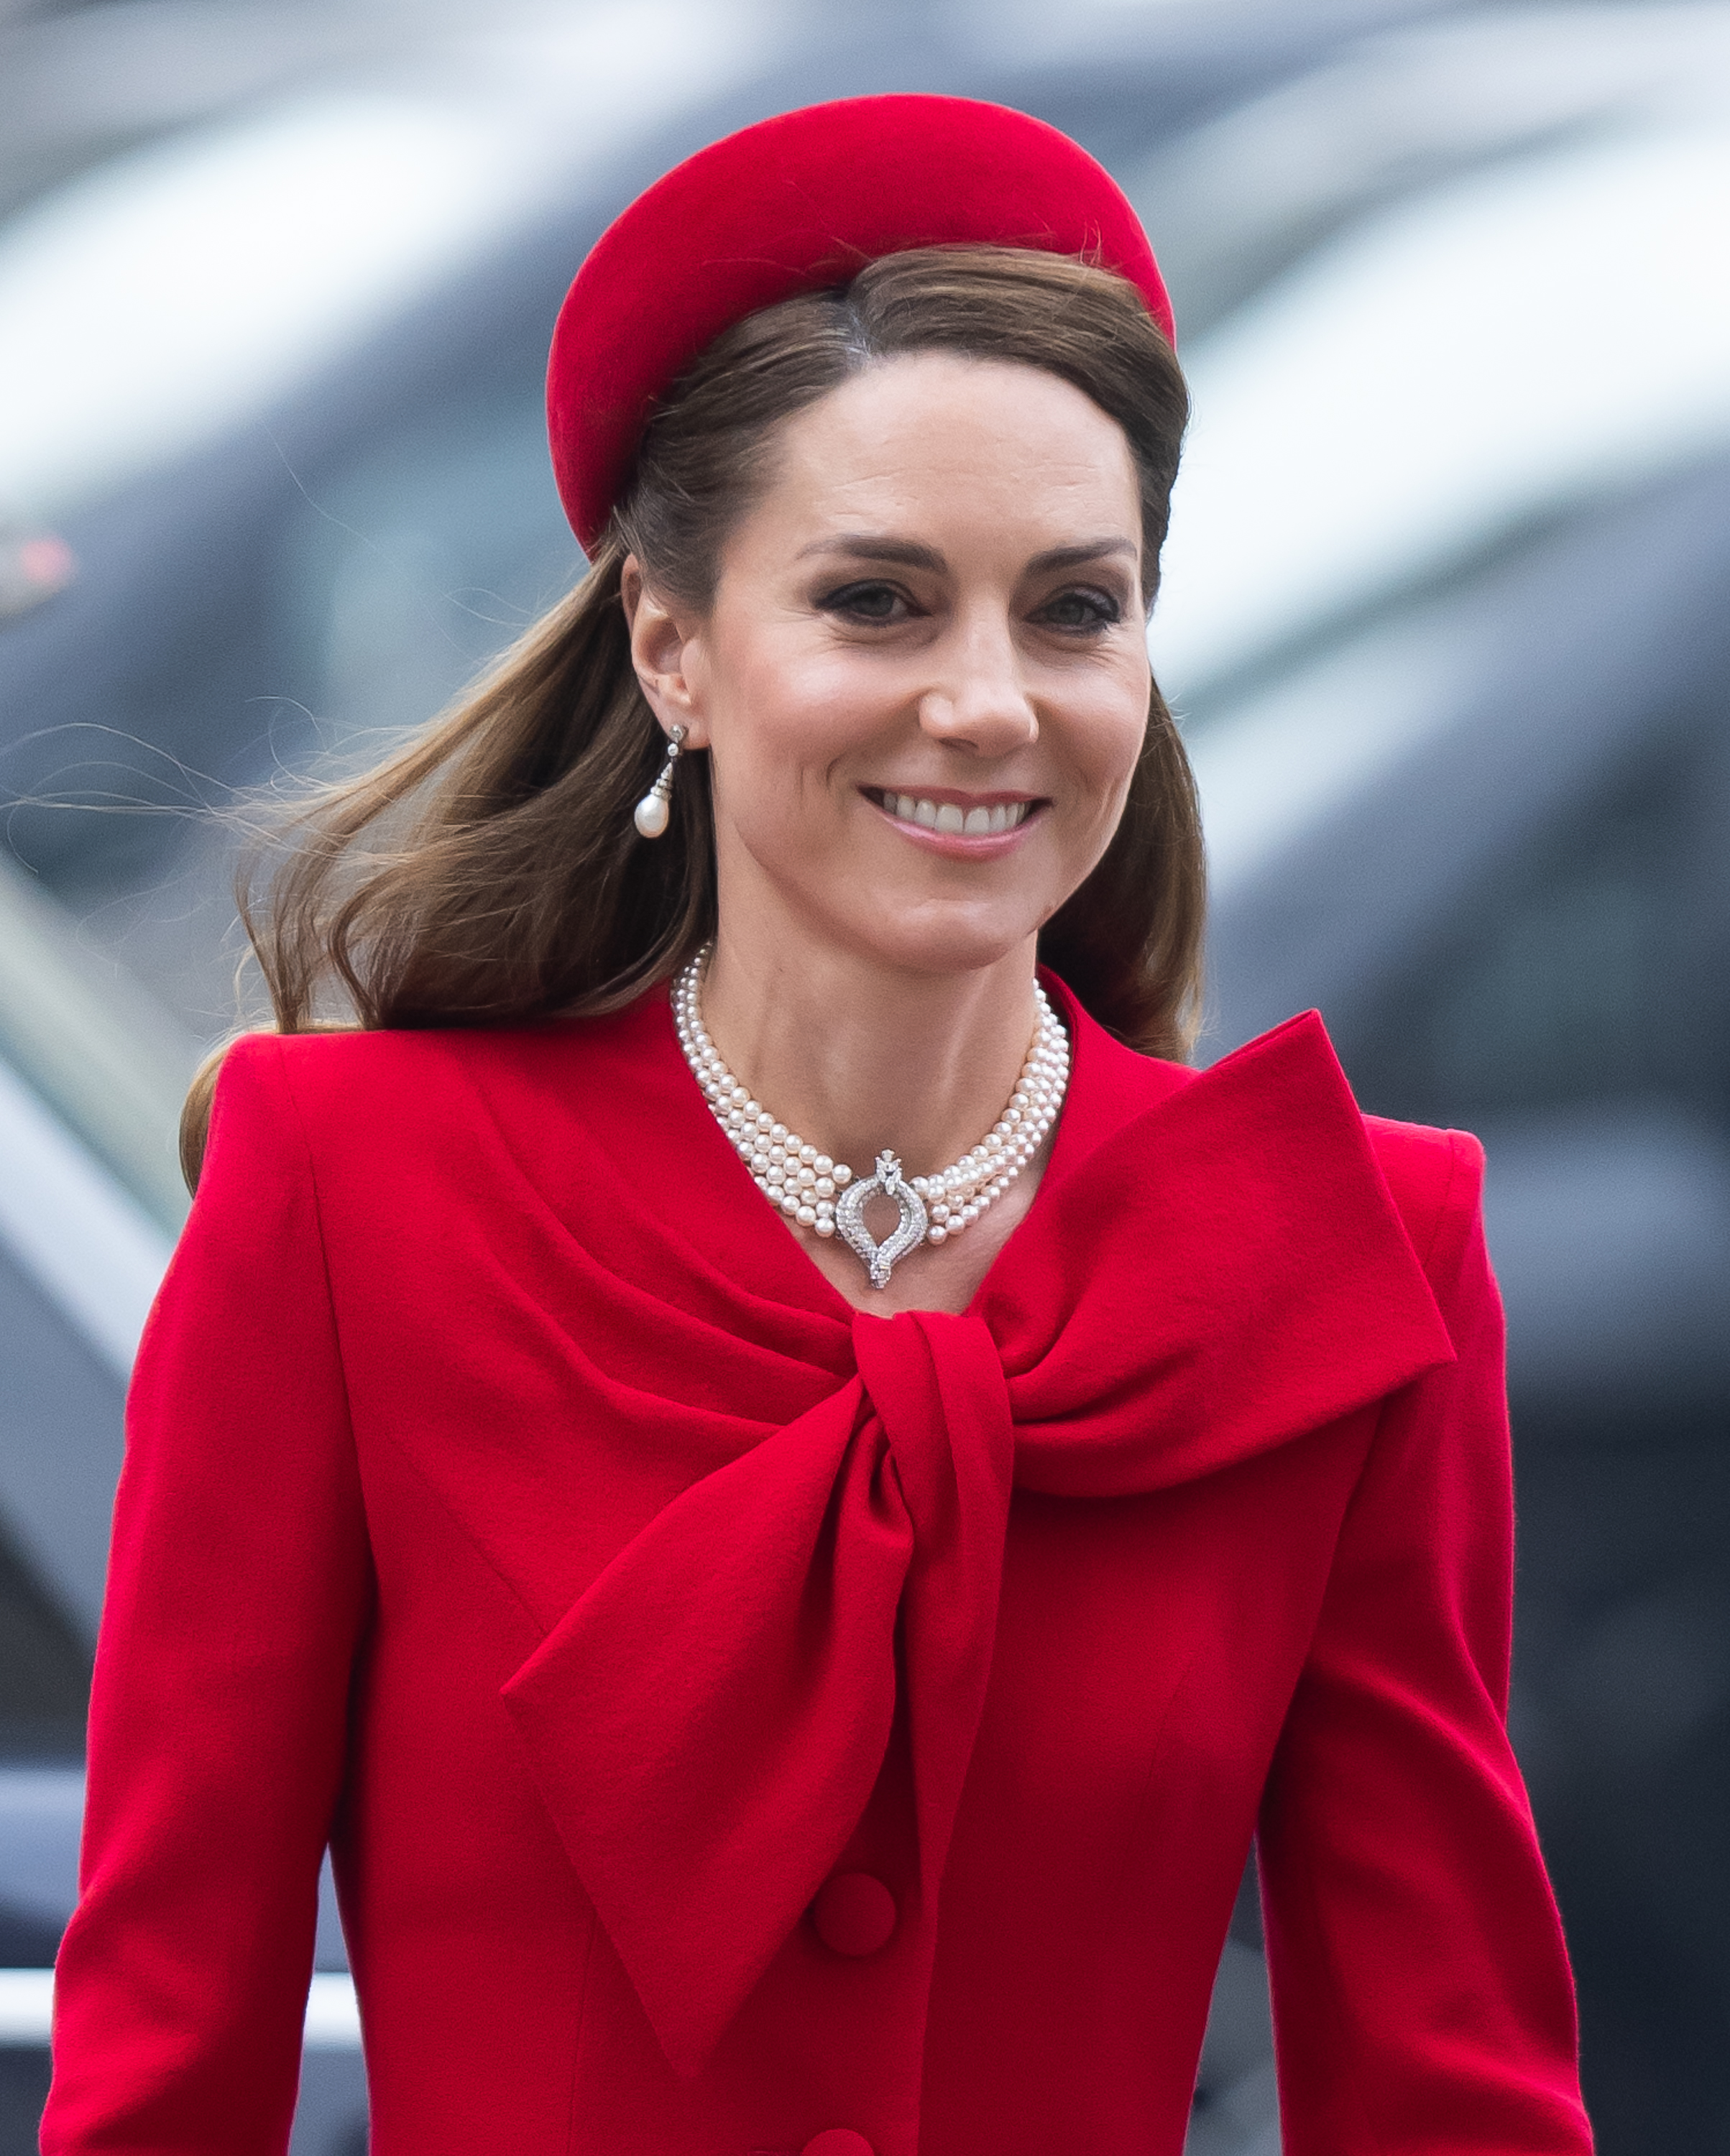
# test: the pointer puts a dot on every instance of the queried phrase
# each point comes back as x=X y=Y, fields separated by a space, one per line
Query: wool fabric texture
x=744 y=1725
x=791 y=205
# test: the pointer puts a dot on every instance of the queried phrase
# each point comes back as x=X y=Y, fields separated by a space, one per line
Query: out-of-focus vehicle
x=1444 y=616
x=1447 y=609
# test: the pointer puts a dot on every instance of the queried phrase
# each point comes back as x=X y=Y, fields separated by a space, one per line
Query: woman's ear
x=661 y=635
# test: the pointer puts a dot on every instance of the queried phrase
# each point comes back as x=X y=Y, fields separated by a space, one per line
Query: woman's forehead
x=939 y=435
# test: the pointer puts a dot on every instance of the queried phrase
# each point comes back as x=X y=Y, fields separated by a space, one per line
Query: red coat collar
x=1213 y=1266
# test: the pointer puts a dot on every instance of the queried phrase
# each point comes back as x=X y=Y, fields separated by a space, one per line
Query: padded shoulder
x=1436 y=1179
x=353 y=1072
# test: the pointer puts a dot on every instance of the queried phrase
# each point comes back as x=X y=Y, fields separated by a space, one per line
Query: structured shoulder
x=355 y=1072
x=1436 y=1179
x=344 y=1061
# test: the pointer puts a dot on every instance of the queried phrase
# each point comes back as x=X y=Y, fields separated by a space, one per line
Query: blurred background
x=1446 y=617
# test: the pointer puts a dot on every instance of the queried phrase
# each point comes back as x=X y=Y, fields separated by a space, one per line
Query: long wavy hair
x=490 y=873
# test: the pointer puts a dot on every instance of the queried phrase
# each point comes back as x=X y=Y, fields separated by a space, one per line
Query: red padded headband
x=792 y=205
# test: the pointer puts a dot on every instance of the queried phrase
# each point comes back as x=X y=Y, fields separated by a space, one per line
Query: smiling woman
x=512 y=887
x=787 y=1489
x=936 y=597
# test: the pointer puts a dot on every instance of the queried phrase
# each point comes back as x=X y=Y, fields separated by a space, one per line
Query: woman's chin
x=939 y=939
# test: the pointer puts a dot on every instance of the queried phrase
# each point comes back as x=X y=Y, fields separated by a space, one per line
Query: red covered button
x=840 y=2140
x=854 y=1914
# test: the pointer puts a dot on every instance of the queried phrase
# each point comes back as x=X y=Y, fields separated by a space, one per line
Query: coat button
x=854 y=1914
x=839 y=2140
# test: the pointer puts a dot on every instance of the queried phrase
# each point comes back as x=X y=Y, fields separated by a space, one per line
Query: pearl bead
x=803 y=1183
x=651 y=816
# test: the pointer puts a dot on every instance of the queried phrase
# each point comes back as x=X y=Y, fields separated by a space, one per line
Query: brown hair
x=490 y=873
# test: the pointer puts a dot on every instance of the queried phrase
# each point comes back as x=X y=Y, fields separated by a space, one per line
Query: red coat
x=509 y=1499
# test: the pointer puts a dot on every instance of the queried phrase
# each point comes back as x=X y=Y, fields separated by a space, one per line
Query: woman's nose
x=978 y=699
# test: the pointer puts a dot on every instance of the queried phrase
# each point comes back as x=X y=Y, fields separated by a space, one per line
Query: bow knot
x=708 y=1722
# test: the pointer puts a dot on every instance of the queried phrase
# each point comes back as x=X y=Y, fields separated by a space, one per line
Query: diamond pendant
x=881 y=1258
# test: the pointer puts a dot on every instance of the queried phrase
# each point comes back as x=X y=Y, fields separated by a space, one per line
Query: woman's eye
x=867 y=602
x=1081 y=609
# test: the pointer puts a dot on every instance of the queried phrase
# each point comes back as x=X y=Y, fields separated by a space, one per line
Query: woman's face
x=923 y=679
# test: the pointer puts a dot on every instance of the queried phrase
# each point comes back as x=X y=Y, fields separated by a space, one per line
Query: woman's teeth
x=945 y=816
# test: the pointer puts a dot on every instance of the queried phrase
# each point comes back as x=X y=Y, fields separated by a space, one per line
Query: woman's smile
x=965 y=826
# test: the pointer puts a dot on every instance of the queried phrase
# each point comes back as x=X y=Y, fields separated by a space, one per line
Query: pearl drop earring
x=652 y=811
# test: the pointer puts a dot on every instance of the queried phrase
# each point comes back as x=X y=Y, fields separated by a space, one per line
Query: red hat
x=792 y=205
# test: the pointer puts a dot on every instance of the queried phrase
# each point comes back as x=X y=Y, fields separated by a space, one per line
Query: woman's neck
x=857 y=1056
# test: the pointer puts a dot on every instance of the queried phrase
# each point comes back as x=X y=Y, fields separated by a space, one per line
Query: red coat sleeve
x=238 y=1587
x=1422 y=1998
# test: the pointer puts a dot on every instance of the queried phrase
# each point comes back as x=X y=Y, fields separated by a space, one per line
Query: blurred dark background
x=1447 y=620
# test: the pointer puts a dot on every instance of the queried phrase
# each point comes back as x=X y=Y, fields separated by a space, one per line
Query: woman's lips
x=966 y=825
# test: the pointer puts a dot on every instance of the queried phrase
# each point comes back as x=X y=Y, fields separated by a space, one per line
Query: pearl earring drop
x=652 y=811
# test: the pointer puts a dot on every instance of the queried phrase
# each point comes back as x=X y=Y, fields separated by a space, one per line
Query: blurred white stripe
x=333 y=2015
x=1504 y=345
x=153 y=303
x=26 y=2005
x=83 y=1240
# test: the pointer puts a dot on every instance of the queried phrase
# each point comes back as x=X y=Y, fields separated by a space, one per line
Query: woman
x=787 y=1493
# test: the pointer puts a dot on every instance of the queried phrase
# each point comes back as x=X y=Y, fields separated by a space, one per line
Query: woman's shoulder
x=384 y=1081
x=1436 y=1179
x=345 y=1057
x=354 y=1098
x=1432 y=1172
x=348 y=1071
x=352 y=1066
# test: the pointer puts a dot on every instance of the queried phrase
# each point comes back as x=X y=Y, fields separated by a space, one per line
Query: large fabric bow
x=708 y=1721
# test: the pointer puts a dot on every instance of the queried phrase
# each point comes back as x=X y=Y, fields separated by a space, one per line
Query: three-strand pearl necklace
x=823 y=1197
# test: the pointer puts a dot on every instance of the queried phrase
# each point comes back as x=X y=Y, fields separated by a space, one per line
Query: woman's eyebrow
x=867 y=546
x=910 y=554
x=1073 y=557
